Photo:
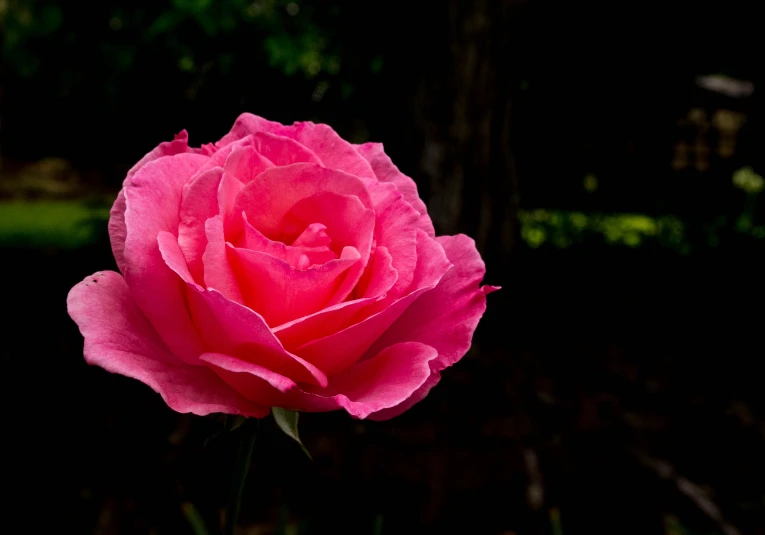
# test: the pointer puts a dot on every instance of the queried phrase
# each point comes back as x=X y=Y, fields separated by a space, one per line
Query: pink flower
x=279 y=267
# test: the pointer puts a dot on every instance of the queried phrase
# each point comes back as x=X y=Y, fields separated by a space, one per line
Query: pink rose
x=279 y=267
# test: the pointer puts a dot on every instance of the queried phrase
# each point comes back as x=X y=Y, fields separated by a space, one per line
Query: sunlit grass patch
x=63 y=224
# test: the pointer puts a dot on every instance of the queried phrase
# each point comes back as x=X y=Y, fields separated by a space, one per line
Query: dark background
x=605 y=156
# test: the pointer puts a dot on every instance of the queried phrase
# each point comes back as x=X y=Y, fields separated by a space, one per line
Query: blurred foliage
x=747 y=180
x=60 y=224
x=139 y=67
x=286 y=31
x=563 y=229
x=752 y=183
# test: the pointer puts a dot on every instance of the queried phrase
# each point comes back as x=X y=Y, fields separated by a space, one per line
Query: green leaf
x=288 y=422
x=195 y=520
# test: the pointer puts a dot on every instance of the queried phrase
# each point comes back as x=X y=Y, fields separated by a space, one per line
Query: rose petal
x=315 y=235
x=218 y=274
x=152 y=205
x=282 y=150
x=241 y=163
x=379 y=277
x=417 y=396
x=445 y=317
x=348 y=223
x=119 y=339
x=255 y=241
x=256 y=383
x=218 y=158
x=234 y=329
x=374 y=385
x=117 y=230
x=228 y=190
x=300 y=331
x=386 y=171
x=271 y=195
x=384 y=381
x=337 y=351
x=245 y=163
x=238 y=331
x=322 y=140
x=333 y=150
x=280 y=292
x=199 y=204
x=246 y=125
x=179 y=145
x=396 y=229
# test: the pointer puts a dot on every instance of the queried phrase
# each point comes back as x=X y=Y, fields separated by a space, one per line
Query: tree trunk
x=468 y=155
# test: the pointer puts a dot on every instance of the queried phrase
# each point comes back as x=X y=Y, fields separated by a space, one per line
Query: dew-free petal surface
x=199 y=204
x=273 y=193
x=386 y=171
x=338 y=350
x=232 y=328
x=445 y=317
x=383 y=381
x=117 y=230
x=152 y=206
x=280 y=292
x=119 y=339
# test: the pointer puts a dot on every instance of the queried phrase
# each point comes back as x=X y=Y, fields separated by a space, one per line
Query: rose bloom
x=279 y=267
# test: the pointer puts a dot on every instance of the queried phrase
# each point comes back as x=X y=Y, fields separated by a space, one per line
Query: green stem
x=248 y=434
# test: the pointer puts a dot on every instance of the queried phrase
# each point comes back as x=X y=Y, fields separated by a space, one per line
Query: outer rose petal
x=254 y=382
x=322 y=140
x=386 y=171
x=117 y=230
x=119 y=339
x=247 y=124
x=179 y=145
x=153 y=200
x=445 y=317
x=384 y=381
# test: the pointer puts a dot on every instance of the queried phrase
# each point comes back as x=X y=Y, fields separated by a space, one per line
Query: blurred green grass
x=64 y=224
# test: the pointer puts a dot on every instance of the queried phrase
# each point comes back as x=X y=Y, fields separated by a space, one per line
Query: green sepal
x=288 y=422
